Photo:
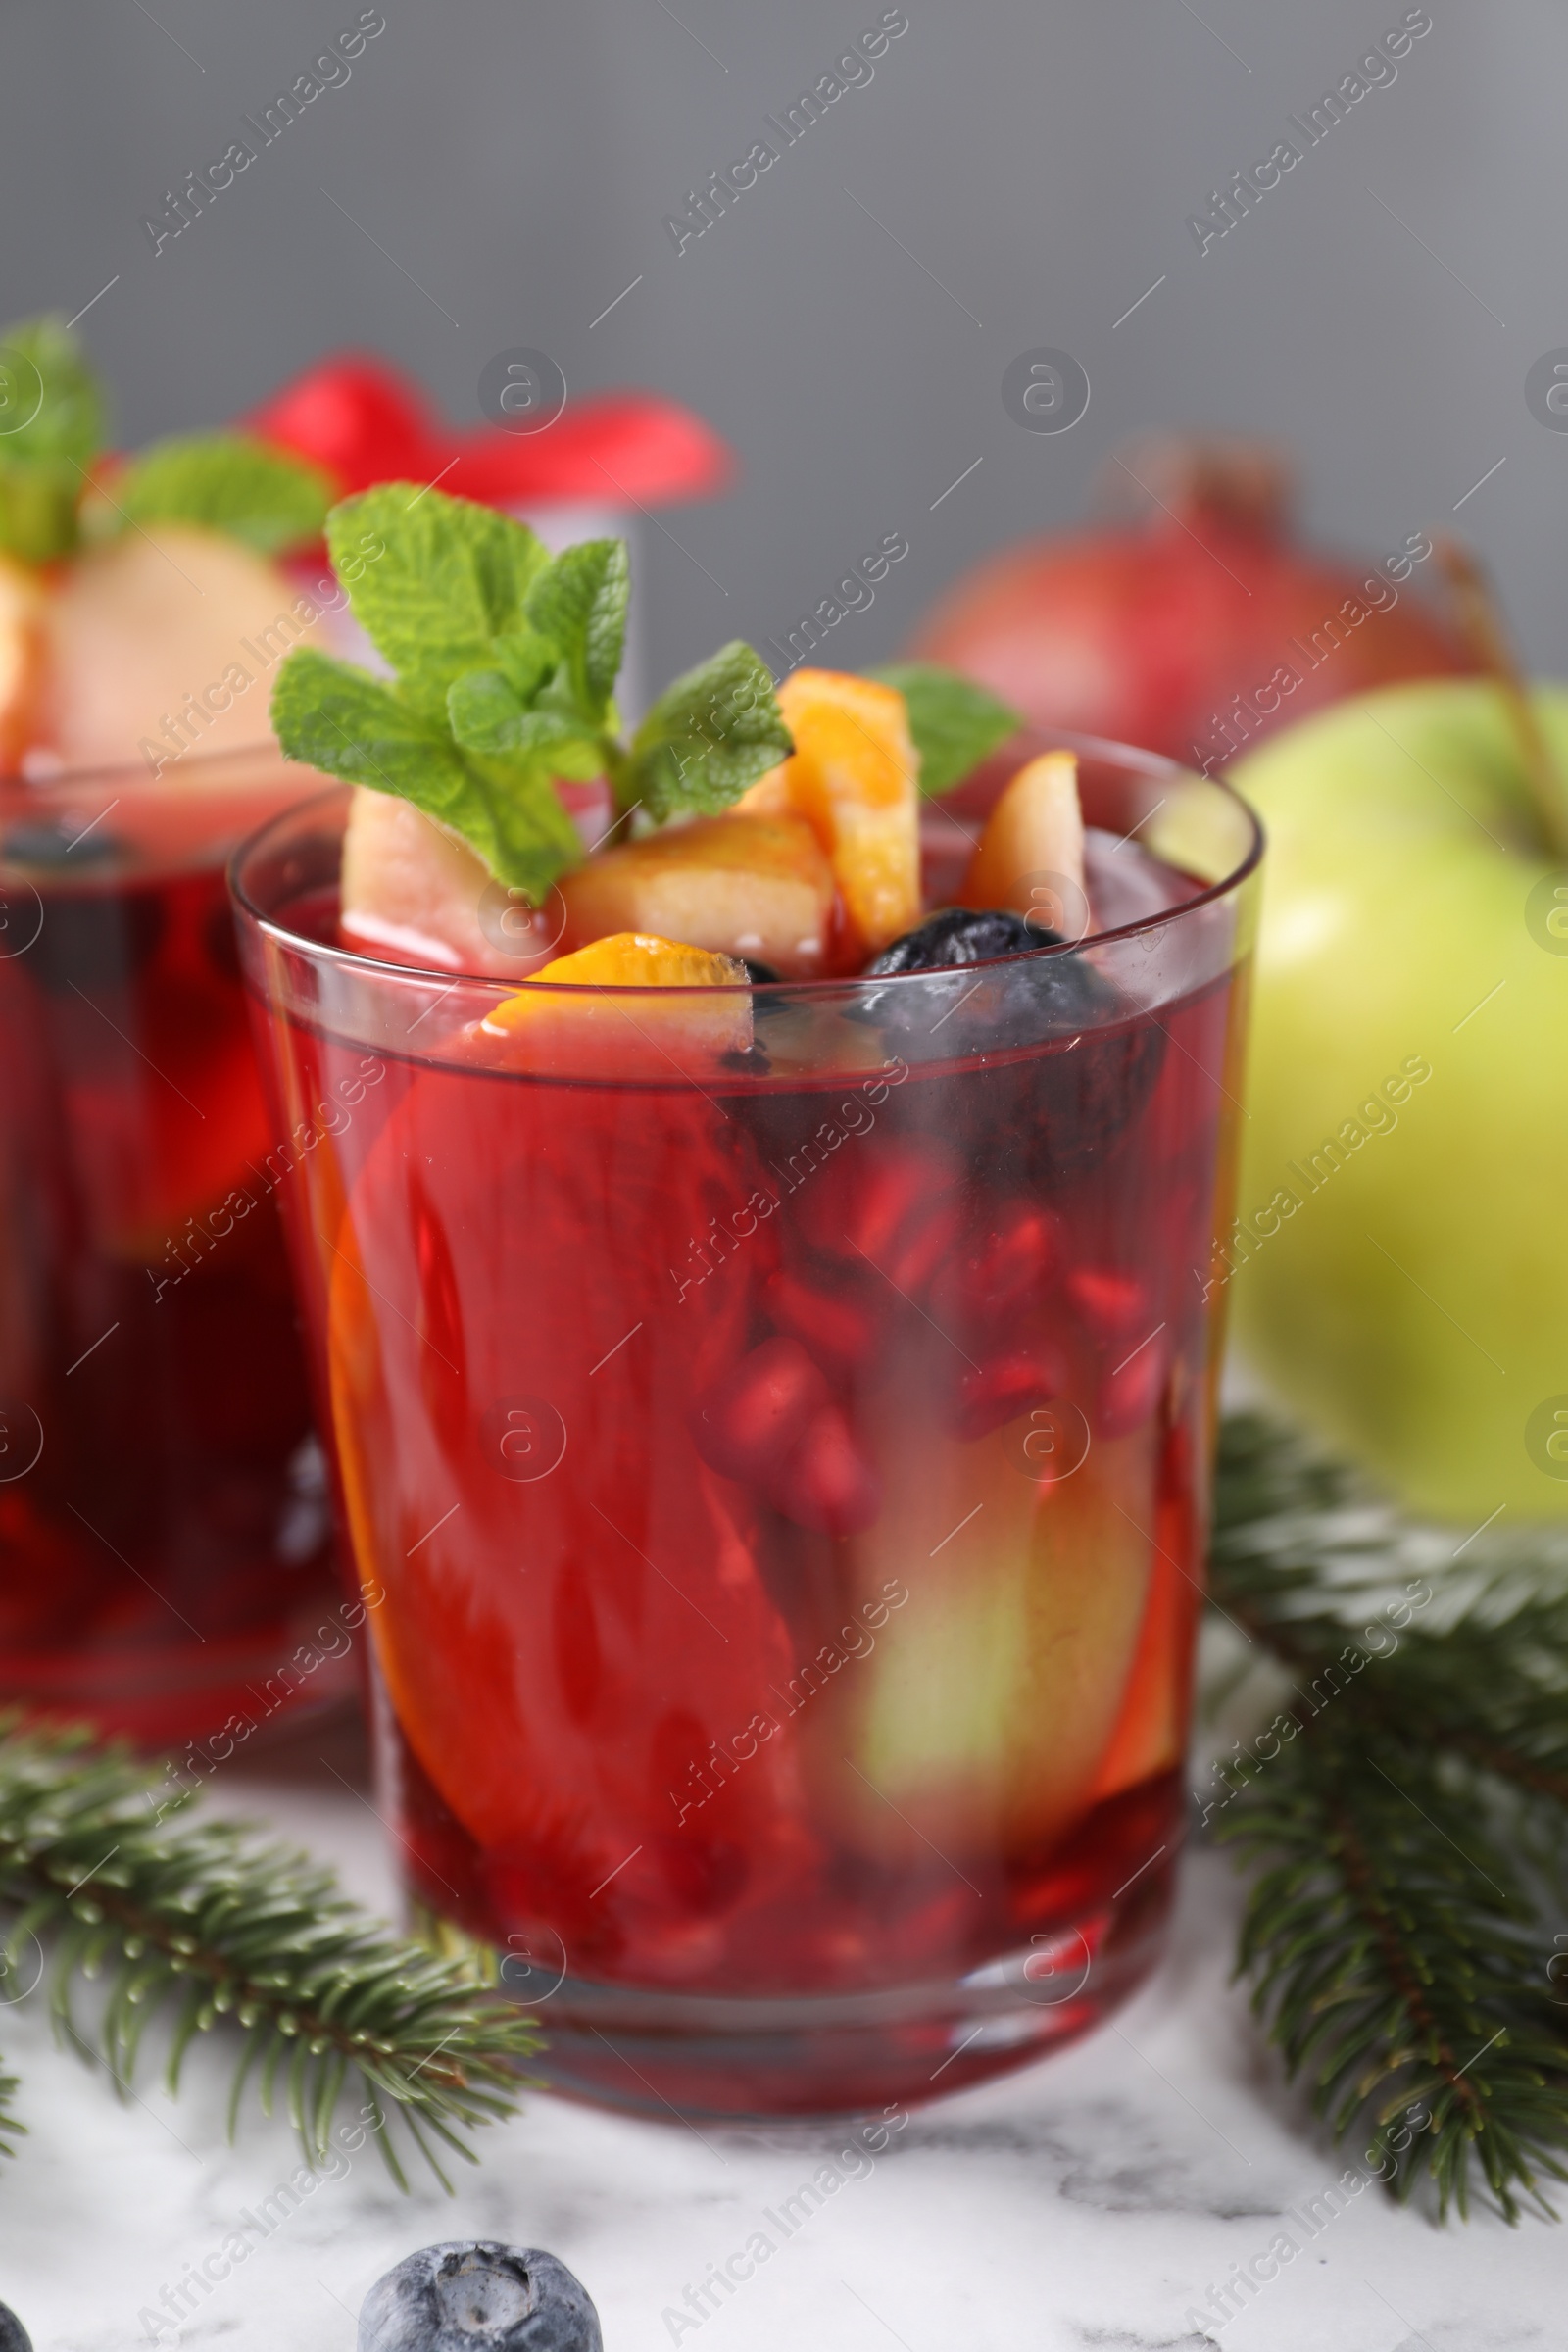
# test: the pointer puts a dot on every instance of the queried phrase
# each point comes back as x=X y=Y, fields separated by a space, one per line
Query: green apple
x=1399 y=1273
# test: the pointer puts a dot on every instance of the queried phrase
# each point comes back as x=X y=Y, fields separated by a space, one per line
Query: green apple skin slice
x=978 y=1723
x=1413 y=1305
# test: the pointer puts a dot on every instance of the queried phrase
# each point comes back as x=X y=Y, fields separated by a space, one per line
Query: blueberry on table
x=14 y=2337
x=473 y=2295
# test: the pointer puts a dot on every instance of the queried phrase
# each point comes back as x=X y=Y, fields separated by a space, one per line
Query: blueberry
x=760 y=975
x=472 y=2296
x=1027 y=996
x=964 y=935
x=1034 y=1118
x=48 y=840
x=14 y=2337
x=96 y=938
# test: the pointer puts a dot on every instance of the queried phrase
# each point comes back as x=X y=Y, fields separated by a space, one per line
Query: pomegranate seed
x=923 y=1247
x=745 y=1422
x=838 y=1325
x=1004 y=1271
x=827 y=1483
x=1113 y=1305
x=896 y=1211
x=1000 y=1391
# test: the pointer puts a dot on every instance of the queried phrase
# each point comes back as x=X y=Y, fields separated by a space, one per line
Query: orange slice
x=855 y=778
x=22 y=660
x=611 y=1022
x=752 y=885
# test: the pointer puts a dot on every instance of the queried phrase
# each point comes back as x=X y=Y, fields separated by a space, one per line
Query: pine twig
x=191 y=1918
x=12 y=2127
x=1409 y=1835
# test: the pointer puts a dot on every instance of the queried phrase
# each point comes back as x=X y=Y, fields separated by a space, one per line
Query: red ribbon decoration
x=367 y=422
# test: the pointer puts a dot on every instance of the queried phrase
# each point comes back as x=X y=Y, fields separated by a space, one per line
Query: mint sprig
x=580 y=604
x=710 y=735
x=451 y=583
x=955 y=723
x=341 y=719
x=230 y=483
x=52 y=429
x=506 y=661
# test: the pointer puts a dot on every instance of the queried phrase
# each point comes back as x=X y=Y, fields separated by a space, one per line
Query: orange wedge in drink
x=855 y=778
x=597 y=1012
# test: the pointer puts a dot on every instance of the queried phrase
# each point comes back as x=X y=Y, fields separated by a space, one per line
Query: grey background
x=1039 y=160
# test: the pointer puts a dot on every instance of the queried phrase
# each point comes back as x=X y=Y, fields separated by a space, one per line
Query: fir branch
x=193 y=1920
x=12 y=2127
x=1409 y=1833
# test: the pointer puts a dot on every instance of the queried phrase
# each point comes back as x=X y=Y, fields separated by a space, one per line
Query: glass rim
x=189 y=820
x=1153 y=764
x=12 y=782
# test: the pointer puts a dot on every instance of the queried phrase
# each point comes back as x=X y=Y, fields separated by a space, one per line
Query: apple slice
x=165 y=639
x=997 y=1688
x=599 y=1029
x=757 y=886
x=412 y=892
x=22 y=660
x=1030 y=857
x=855 y=778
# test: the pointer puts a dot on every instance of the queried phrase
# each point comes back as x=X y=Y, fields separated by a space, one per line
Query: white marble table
x=1088 y=2203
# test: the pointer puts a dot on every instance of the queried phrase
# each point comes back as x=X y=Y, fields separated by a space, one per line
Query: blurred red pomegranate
x=1196 y=629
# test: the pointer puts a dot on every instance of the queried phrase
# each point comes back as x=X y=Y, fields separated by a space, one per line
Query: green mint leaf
x=338 y=718
x=525 y=660
x=230 y=483
x=450 y=579
x=580 y=604
x=38 y=508
x=954 y=722
x=709 y=736
x=534 y=839
x=488 y=715
x=50 y=402
x=51 y=430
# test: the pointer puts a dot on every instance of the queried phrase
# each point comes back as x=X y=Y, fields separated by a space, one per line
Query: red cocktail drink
x=772 y=1428
x=164 y=1556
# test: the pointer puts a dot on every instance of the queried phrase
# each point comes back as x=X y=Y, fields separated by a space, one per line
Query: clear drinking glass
x=772 y=1429
x=165 y=1562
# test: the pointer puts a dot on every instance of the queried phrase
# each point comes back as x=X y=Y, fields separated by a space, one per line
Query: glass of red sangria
x=163 y=1555
x=770 y=1377
x=165 y=1558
